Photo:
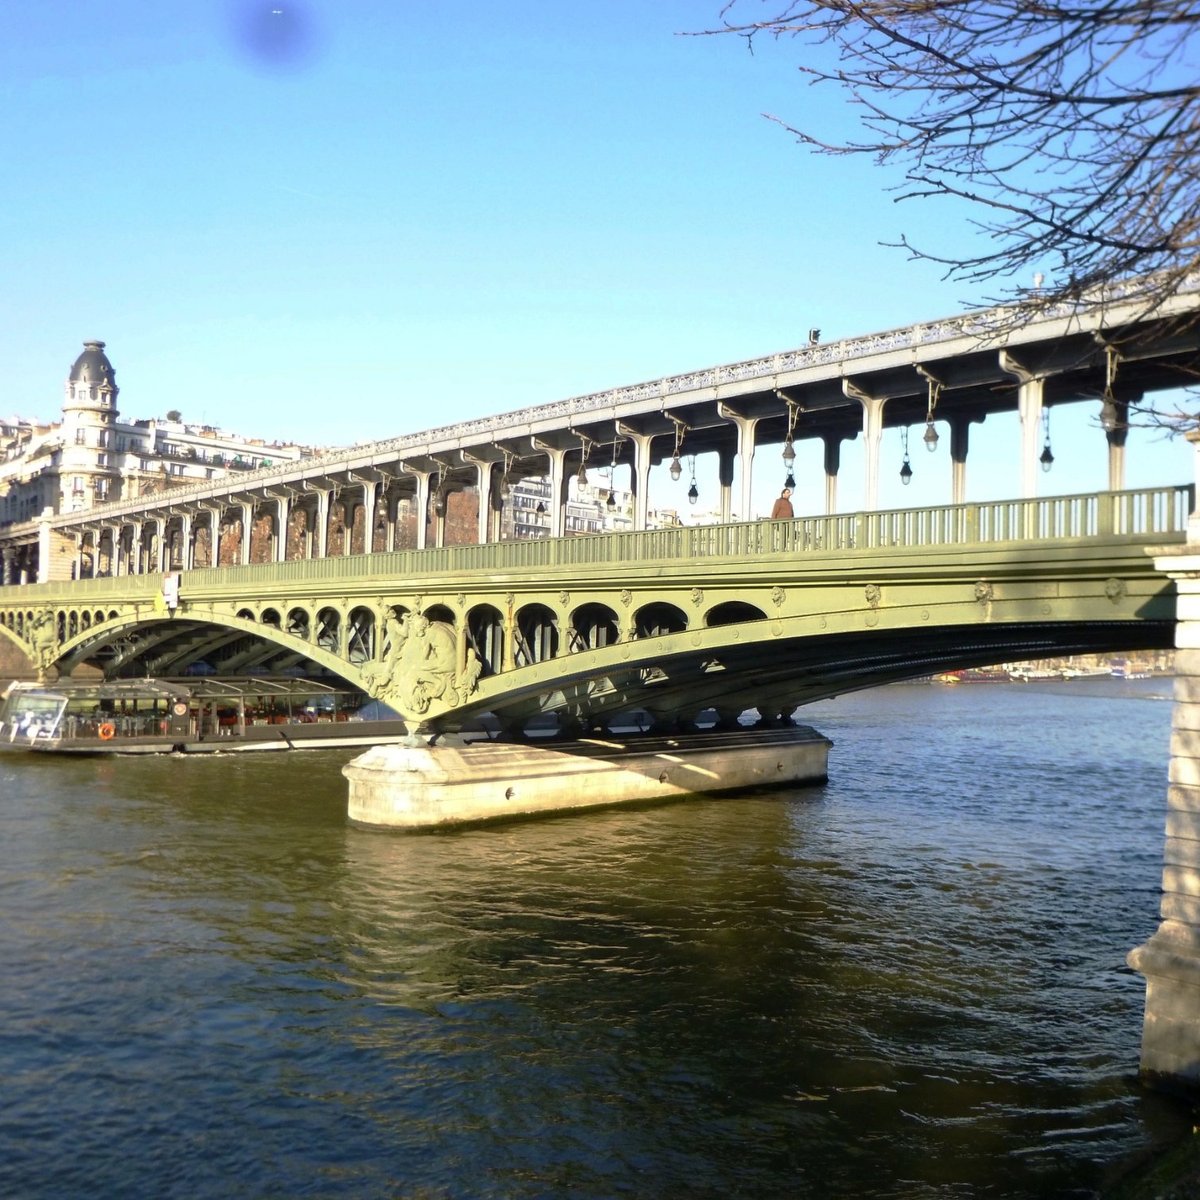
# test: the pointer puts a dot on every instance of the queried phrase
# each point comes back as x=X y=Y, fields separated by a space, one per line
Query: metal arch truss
x=766 y=615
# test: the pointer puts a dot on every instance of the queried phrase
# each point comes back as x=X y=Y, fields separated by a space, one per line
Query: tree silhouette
x=1071 y=129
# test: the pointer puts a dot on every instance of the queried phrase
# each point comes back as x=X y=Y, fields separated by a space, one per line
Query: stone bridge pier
x=1170 y=959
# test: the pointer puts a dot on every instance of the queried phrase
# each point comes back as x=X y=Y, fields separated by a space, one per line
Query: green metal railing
x=1151 y=514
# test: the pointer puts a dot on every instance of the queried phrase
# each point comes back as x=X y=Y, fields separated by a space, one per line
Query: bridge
x=341 y=568
x=939 y=378
x=668 y=622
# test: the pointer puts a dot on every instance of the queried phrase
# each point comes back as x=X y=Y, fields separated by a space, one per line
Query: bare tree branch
x=1074 y=129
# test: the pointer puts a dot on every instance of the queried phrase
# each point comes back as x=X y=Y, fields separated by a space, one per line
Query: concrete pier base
x=424 y=786
x=1170 y=960
x=1171 y=1032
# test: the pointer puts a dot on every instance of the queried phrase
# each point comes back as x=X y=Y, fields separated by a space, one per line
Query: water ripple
x=908 y=983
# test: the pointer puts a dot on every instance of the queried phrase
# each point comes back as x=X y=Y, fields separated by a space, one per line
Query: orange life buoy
x=106 y=731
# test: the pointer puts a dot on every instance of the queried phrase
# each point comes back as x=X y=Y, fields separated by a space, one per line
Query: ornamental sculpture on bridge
x=420 y=665
x=44 y=639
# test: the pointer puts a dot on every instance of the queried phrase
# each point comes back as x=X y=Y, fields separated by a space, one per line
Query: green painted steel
x=757 y=614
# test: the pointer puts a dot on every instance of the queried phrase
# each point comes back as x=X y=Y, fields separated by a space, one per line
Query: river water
x=907 y=983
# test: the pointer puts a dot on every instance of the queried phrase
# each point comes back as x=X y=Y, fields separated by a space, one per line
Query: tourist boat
x=1121 y=670
x=1022 y=674
x=191 y=716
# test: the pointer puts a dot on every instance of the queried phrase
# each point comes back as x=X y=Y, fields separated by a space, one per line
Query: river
x=907 y=983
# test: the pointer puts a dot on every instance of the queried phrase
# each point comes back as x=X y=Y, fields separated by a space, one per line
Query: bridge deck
x=758 y=614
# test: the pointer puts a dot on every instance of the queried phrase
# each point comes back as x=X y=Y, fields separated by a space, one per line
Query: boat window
x=33 y=714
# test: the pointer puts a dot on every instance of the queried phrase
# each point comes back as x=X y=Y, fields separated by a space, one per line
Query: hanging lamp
x=1046 y=458
x=906 y=471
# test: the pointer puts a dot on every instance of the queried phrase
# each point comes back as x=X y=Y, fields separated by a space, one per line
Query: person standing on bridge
x=782 y=510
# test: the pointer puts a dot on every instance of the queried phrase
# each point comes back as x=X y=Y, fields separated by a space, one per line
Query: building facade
x=91 y=456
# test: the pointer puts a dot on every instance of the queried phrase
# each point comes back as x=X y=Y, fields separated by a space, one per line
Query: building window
x=102 y=459
x=80 y=437
x=101 y=489
x=77 y=485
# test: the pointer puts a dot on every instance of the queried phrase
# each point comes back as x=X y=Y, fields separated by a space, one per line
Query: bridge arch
x=593 y=626
x=360 y=634
x=731 y=612
x=486 y=636
x=328 y=628
x=658 y=618
x=441 y=613
x=10 y=636
x=701 y=618
x=208 y=630
x=299 y=622
x=537 y=638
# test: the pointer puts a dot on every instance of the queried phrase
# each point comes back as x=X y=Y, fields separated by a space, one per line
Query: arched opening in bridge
x=594 y=626
x=440 y=612
x=732 y=612
x=485 y=635
x=656 y=619
x=270 y=617
x=360 y=635
x=299 y=623
x=329 y=625
x=537 y=634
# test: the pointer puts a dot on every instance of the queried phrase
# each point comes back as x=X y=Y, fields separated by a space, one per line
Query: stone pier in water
x=1170 y=960
x=426 y=786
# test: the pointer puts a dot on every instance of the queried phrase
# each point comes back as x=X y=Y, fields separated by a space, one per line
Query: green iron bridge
x=668 y=622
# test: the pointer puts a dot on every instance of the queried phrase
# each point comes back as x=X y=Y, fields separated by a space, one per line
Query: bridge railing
x=1145 y=513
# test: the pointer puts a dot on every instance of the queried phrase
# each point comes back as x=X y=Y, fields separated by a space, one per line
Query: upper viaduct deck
x=378 y=497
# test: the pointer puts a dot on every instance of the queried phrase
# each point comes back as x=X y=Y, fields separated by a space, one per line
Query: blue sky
x=345 y=221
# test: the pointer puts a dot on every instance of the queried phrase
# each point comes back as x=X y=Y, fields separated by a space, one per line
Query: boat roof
x=194 y=687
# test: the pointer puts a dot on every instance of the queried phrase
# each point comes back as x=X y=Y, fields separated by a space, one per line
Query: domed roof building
x=91 y=456
x=93 y=368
